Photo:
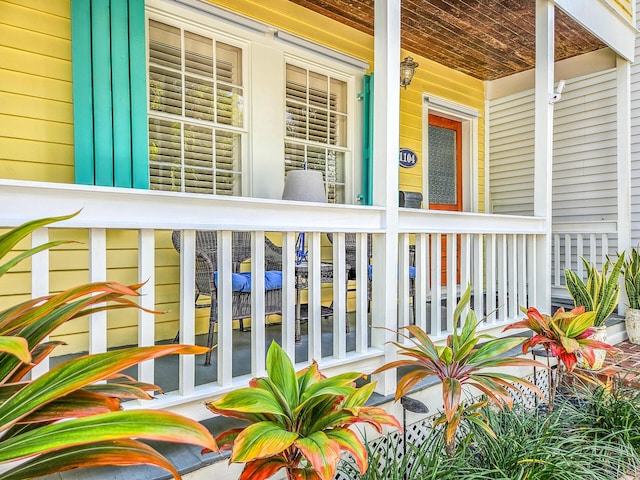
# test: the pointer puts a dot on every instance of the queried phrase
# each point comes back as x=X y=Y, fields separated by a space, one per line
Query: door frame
x=469 y=118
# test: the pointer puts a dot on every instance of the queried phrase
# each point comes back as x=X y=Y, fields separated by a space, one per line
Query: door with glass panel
x=445 y=173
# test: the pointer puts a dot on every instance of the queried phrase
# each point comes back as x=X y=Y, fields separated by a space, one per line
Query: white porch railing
x=592 y=241
x=493 y=253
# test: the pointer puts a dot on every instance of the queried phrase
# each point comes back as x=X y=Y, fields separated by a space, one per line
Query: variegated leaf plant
x=95 y=430
x=562 y=336
x=298 y=421
x=600 y=292
x=461 y=362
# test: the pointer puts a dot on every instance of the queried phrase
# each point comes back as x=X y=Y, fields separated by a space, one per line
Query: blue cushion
x=241 y=282
x=412 y=271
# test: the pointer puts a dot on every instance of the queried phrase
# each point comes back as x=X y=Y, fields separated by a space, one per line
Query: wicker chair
x=206 y=271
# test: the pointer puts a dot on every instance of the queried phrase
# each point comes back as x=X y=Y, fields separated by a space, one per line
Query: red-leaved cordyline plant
x=461 y=362
x=298 y=421
x=95 y=432
x=562 y=336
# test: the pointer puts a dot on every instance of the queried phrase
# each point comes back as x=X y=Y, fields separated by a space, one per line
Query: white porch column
x=623 y=100
x=543 y=150
x=386 y=144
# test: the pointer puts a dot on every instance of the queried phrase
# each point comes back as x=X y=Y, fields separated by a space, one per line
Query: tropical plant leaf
x=263 y=468
x=13 y=236
x=321 y=452
x=121 y=452
x=261 y=440
x=281 y=372
x=451 y=395
x=350 y=442
x=494 y=348
x=247 y=400
x=149 y=424
x=78 y=372
x=16 y=346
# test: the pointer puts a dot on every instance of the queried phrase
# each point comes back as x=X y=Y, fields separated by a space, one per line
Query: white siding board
x=584 y=170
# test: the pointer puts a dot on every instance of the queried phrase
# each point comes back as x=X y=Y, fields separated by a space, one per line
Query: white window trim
x=248 y=34
x=351 y=170
x=469 y=118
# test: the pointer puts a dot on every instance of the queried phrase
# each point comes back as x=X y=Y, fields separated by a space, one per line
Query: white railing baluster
x=339 y=296
x=491 y=312
x=436 y=284
x=556 y=260
x=362 y=293
x=478 y=275
x=403 y=280
x=98 y=273
x=465 y=266
x=289 y=294
x=579 y=254
x=502 y=278
x=593 y=248
x=568 y=252
x=187 y=310
x=258 y=330
x=40 y=283
x=225 y=308
x=147 y=299
x=422 y=280
x=605 y=247
x=532 y=259
x=522 y=272
x=314 y=326
x=512 y=276
x=452 y=278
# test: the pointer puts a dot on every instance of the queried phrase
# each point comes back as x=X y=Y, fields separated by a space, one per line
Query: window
x=316 y=122
x=196 y=106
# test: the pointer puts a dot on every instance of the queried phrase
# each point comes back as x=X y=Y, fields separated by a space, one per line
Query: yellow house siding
x=36 y=119
x=625 y=7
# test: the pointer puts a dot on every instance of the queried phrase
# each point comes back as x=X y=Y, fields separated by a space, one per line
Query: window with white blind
x=196 y=105
x=316 y=120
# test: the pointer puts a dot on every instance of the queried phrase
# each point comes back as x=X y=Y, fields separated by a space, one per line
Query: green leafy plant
x=298 y=421
x=600 y=292
x=562 y=336
x=461 y=362
x=631 y=274
x=95 y=431
x=537 y=445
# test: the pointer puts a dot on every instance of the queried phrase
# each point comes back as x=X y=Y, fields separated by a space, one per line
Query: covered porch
x=410 y=264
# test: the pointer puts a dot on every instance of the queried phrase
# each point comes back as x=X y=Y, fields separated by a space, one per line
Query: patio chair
x=206 y=278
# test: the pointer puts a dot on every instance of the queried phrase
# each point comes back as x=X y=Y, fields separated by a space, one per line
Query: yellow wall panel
x=21 y=150
x=50 y=17
x=302 y=21
x=39 y=172
x=37 y=108
x=35 y=42
x=36 y=86
x=34 y=129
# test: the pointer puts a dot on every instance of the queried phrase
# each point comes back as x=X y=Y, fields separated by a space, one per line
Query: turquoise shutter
x=367 y=141
x=109 y=93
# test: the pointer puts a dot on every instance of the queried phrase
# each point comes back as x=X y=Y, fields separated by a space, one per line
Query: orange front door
x=445 y=173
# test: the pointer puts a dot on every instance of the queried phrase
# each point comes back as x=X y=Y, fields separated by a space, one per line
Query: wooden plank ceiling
x=486 y=39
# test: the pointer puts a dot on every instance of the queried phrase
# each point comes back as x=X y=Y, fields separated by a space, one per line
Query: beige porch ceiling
x=486 y=39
